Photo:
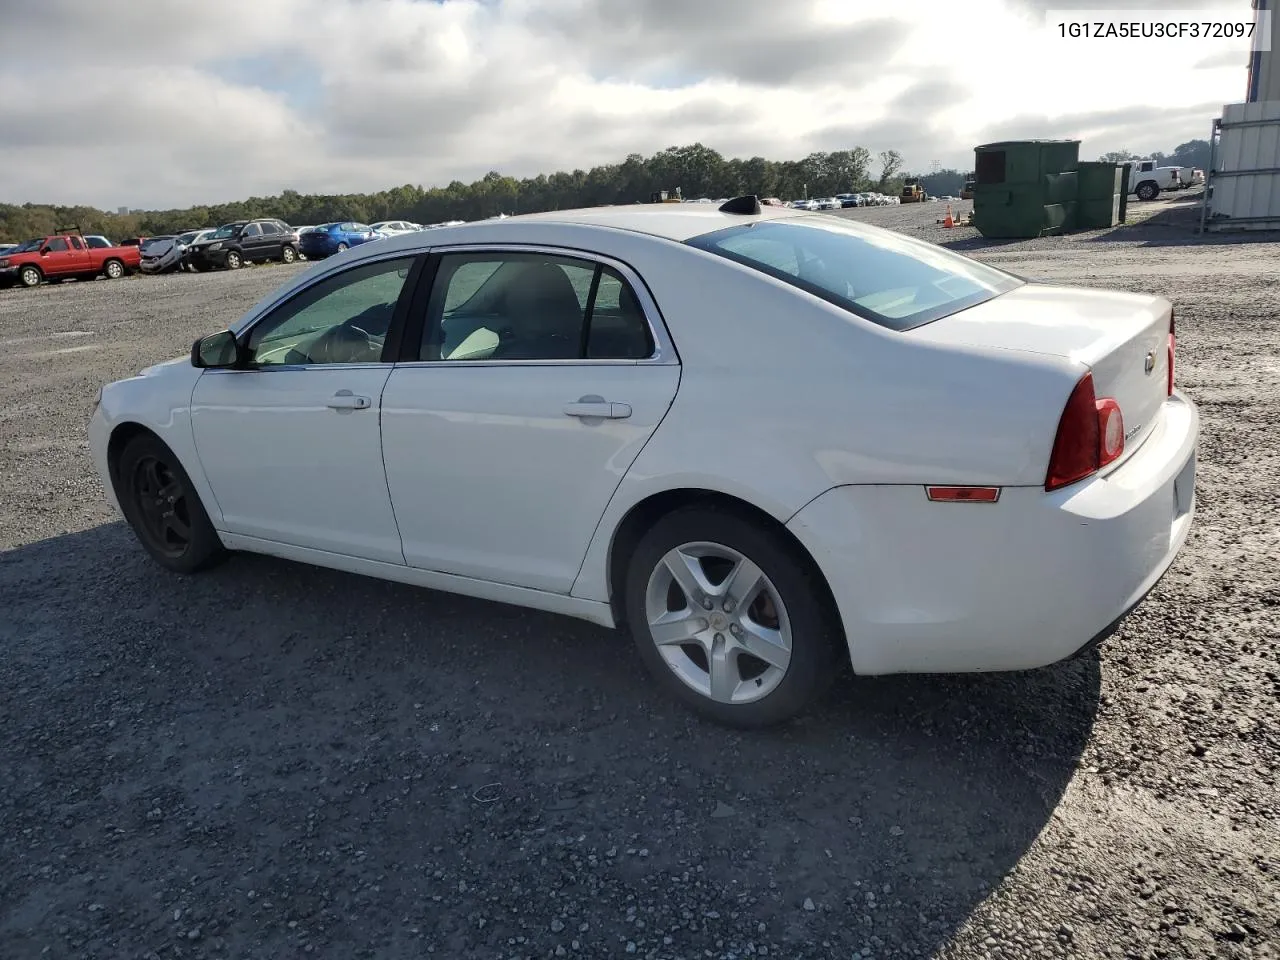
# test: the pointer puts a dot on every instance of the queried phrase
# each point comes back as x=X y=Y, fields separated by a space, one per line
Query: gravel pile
x=271 y=760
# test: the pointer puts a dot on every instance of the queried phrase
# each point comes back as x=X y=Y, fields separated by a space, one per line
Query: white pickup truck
x=1146 y=179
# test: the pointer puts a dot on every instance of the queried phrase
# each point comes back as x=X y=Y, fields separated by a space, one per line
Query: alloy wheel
x=718 y=622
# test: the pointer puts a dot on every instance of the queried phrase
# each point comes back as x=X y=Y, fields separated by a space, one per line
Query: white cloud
x=158 y=103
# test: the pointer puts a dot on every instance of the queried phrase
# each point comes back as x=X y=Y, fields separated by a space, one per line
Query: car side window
x=361 y=227
x=269 y=229
x=525 y=306
x=57 y=244
x=75 y=242
x=342 y=319
x=507 y=306
x=252 y=230
x=618 y=329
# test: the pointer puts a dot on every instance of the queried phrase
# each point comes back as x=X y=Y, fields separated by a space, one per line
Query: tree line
x=1193 y=153
x=697 y=170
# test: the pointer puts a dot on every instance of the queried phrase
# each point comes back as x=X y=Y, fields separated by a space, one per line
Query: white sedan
x=770 y=443
x=393 y=228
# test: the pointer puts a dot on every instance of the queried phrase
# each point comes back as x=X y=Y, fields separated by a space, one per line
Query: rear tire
x=342 y=247
x=163 y=508
x=709 y=658
x=113 y=269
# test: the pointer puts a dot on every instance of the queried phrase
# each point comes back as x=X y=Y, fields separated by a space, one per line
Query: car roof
x=672 y=221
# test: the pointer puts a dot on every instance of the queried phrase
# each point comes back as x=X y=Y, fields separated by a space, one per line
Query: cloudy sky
x=159 y=103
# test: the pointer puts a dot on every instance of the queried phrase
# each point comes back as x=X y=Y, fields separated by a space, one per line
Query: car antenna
x=749 y=204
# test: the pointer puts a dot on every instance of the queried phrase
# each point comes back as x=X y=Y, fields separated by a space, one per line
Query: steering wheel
x=346 y=343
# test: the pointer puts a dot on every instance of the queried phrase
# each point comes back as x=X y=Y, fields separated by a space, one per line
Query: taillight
x=1090 y=436
x=1172 y=344
x=1110 y=431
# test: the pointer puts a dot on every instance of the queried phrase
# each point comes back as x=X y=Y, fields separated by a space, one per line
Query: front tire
x=1147 y=191
x=163 y=508
x=731 y=617
x=30 y=276
x=288 y=255
x=234 y=261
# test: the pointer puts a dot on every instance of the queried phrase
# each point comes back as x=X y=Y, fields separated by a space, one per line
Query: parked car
x=1022 y=474
x=847 y=199
x=393 y=228
x=165 y=254
x=63 y=256
x=1147 y=179
x=244 y=241
x=148 y=260
x=330 y=238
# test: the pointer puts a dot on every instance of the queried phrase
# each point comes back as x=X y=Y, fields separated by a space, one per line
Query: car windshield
x=28 y=245
x=892 y=280
x=187 y=238
x=223 y=233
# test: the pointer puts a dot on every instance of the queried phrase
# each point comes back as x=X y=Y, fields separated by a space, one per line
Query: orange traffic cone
x=948 y=221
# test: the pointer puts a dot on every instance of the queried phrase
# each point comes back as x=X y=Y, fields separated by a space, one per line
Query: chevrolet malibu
x=769 y=443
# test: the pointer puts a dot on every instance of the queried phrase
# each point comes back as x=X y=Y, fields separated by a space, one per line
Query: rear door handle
x=597 y=408
x=346 y=400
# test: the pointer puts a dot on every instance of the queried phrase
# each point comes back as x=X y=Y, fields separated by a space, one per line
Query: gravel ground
x=276 y=761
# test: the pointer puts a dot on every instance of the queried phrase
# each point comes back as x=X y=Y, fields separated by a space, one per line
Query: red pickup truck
x=65 y=255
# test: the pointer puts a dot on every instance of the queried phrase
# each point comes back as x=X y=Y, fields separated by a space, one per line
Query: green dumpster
x=1026 y=188
x=1100 y=194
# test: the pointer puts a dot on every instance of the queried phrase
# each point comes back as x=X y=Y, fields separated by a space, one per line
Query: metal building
x=1264 y=70
x=1242 y=184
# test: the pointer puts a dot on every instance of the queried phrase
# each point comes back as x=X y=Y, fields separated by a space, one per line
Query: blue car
x=330 y=238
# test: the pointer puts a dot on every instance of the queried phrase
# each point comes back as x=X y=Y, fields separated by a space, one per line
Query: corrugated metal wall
x=1245 y=180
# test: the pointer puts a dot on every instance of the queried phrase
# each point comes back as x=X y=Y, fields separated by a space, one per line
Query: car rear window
x=892 y=280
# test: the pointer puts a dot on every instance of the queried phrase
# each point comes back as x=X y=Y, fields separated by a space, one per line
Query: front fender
x=158 y=400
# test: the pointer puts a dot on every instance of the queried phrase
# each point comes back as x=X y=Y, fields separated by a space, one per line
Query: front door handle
x=346 y=400
x=597 y=408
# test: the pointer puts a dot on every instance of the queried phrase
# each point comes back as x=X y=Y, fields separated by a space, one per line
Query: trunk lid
x=1121 y=337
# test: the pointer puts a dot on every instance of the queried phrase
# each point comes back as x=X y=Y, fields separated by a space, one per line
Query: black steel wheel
x=163 y=507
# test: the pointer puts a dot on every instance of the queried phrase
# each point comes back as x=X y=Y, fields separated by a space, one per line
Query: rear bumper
x=956 y=587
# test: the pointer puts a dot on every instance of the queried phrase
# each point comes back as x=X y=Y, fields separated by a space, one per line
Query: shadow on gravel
x=1172 y=225
x=389 y=768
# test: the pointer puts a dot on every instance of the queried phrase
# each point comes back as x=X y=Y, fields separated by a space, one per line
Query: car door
x=269 y=245
x=290 y=445
x=80 y=255
x=57 y=259
x=249 y=238
x=536 y=381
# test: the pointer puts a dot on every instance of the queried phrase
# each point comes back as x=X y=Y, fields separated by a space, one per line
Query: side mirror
x=45 y=251
x=220 y=351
